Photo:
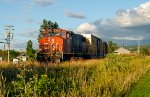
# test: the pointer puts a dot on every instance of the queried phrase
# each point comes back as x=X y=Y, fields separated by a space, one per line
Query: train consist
x=59 y=44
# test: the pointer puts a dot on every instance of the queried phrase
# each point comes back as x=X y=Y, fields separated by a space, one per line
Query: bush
x=112 y=76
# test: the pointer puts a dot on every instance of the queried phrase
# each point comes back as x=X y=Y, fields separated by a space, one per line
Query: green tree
x=47 y=25
x=50 y=24
x=55 y=25
x=14 y=54
x=4 y=54
x=144 y=51
x=43 y=27
x=30 y=52
x=112 y=46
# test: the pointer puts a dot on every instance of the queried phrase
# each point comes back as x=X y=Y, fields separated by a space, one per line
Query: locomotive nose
x=53 y=47
x=53 y=44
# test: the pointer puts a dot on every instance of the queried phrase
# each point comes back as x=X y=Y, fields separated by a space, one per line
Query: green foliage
x=141 y=89
x=13 y=54
x=55 y=25
x=144 y=51
x=112 y=46
x=110 y=77
x=30 y=52
x=47 y=25
x=3 y=54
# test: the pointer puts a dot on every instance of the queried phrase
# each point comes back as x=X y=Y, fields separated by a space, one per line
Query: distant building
x=122 y=50
x=22 y=58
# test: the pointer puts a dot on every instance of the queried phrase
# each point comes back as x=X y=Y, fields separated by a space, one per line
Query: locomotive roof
x=59 y=29
x=90 y=36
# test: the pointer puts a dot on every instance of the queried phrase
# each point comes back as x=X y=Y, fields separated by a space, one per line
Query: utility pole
x=9 y=36
x=138 y=49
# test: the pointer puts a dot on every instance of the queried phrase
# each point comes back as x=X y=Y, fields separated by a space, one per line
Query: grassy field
x=110 y=77
x=142 y=88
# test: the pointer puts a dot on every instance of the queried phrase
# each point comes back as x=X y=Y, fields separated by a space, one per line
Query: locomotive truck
x=58 y=45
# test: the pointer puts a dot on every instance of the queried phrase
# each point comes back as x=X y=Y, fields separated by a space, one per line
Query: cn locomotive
x=58 y=45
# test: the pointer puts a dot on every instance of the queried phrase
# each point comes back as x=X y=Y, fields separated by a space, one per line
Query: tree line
x=47 y=24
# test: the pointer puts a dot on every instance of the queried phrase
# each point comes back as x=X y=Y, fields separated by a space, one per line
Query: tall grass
x=112 y=76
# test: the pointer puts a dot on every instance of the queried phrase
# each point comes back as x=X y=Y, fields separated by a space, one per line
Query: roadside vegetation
x=110 y=77
x=141 y=88
x=13 y=54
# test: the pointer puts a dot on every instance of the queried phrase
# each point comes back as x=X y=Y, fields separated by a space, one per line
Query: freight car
x=59 y=44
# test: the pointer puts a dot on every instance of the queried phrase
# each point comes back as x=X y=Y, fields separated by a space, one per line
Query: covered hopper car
x=59 y=45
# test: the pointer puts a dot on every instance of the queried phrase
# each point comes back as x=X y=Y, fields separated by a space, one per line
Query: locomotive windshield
x=50 y=34
x=56 y=33
x=62 y=34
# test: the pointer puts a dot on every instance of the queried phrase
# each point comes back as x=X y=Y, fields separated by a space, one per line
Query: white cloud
x=30 y=33
x=44 y=3
x=86 y=28
x=129 y=38
x=127 y=25
x=75 y=15
x=135 y=16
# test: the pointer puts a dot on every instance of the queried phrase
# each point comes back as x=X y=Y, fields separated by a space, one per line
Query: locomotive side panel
x=43 y=45
x=48 y=44
x=50 y=48
x=95 y=48
x=105 y=46
x=65 y=44
x=92 y=45
x=78 y=44
x=99 y=42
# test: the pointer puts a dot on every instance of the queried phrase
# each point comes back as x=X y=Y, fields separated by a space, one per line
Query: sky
x=122 y=21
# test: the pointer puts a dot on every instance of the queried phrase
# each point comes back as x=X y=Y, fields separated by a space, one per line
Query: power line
x=9 y=36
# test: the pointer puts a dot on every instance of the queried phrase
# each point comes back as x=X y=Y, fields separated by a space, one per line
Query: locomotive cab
x=54 y=44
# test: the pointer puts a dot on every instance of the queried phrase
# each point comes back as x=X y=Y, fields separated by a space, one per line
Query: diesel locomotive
x=58 y=45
